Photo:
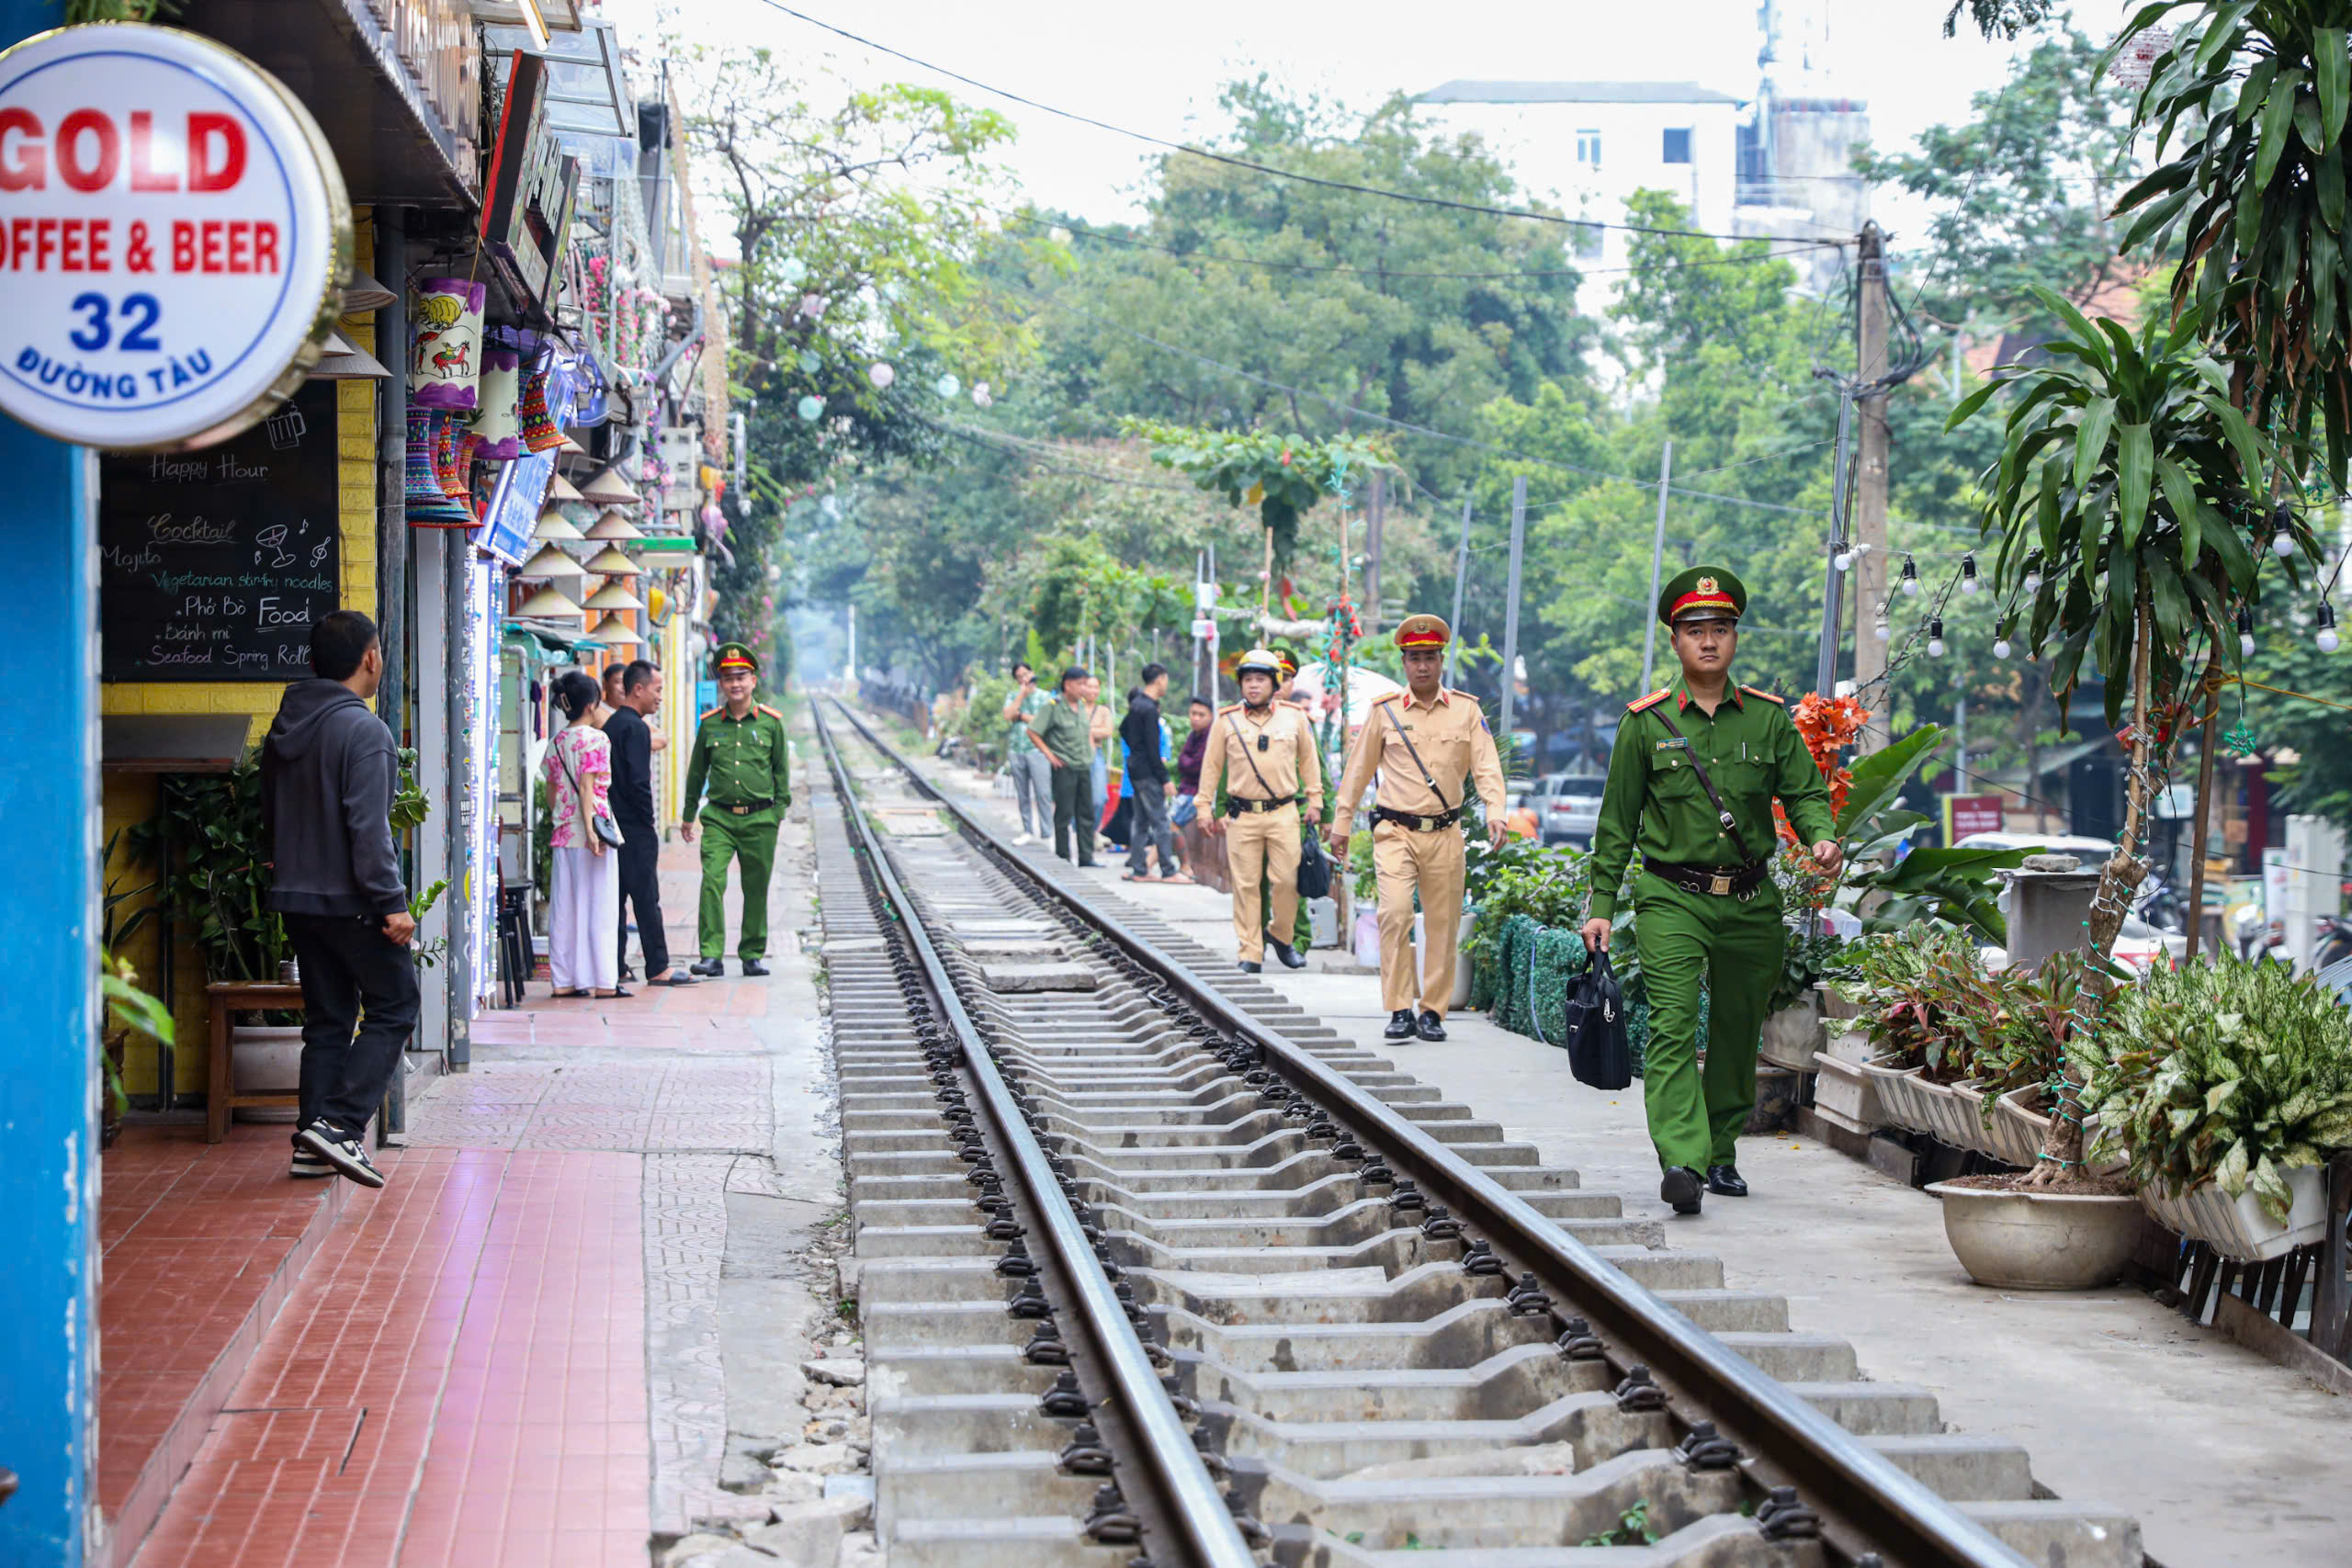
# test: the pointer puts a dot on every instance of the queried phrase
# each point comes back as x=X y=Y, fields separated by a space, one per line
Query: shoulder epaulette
x=770 y=712
x=1230 y=707
x=714 y=713
x=1638 y=704
x=1385 y=697
x=1776 y=701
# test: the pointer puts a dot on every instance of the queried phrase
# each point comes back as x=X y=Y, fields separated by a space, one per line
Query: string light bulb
x=881 y=373
x=2328 y=641
x=1936 y=637
x=2282 y=538
x=1910 y=577
x=2032 y=582
x=2245 y=632
x=2001 y=640
x=1844 y=560
x=1968 y=574
x=1882 y=631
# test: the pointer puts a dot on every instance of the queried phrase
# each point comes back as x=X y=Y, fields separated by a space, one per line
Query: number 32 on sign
x=175 y=238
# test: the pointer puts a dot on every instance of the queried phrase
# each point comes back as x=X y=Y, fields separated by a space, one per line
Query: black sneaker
x=1725 y=1180
x=341 y=1150
x=1430 y=1026
x=307 y=1166
x=1289 y=955
x=1400 y=1024
x=754 y=968
x=1682 y=1188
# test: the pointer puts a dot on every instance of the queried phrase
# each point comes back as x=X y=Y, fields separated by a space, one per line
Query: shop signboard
x=174 y=237
x=532 y=186
x=215 y=565
x=1967 y=814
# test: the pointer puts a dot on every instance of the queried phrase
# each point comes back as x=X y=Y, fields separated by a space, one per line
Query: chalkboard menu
x=214 y=565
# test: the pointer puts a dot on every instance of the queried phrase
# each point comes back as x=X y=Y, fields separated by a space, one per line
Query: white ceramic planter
x=1969 y=1099
x=2236 y=1227
x=1900 y=1098
x=265 y=1061
x=2039 y=1241
x=2019 y=1134
x=1794 y=1037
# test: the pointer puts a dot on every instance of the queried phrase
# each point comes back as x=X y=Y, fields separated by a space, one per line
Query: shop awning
x=172 y=743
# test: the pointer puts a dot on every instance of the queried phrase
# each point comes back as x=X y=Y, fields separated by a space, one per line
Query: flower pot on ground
x=1893 y=1085
x=2239 y=1228
x=1794 y=1037
x=266 y=1060
x=2016 y=1238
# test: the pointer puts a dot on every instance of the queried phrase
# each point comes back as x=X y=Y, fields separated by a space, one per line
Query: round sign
x=174 y=237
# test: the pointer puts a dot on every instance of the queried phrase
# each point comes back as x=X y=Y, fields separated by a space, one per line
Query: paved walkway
x=2228 y=1460
x=512 y=1357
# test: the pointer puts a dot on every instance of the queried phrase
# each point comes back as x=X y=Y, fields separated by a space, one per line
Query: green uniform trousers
x=751 y=839
x=1696 y=1114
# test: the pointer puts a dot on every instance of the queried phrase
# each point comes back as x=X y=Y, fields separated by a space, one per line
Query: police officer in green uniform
x=740 y=752
x=1691 y=781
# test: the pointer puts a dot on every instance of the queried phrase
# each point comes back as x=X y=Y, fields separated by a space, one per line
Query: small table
x=229 y=998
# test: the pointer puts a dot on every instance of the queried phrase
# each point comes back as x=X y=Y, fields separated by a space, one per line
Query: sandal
x=1174 y=878
x=677 y=977
x=567 y=996
x=616 y=993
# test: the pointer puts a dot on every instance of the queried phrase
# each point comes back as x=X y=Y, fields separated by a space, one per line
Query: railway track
x=1154 y=1267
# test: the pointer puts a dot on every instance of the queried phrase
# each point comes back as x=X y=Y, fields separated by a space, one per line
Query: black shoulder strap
x=1242 y=741
x=1722 y=815
x=1390 y=709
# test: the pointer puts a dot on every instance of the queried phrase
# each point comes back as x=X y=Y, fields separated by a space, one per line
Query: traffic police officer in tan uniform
x=1263 y=753
x=1428 y=745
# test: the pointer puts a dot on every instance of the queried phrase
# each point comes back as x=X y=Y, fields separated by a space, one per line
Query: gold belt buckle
x=1719 y=884
x=740 y=811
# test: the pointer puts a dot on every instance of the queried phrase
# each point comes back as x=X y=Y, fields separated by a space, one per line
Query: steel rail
x=1867 y=1502
x=1188 y=1496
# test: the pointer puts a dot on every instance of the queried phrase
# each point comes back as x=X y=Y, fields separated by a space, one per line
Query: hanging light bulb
x=2245 y=632
x=2001 y=640
x=811 y=407
x=1936 y=637
x=948 y=385
x=881 y=375
x=1910 y=577
x=1968 y=574
x=2033 y=582
x=1882 y=631
x=2282 y=538
x=2328 y=641
x=1844 y=560
x=981 y=396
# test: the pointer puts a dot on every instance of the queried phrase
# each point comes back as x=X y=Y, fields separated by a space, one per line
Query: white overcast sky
x=1156 y=69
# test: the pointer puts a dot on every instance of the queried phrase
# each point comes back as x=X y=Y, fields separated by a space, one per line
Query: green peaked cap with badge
x=734 y=656
x=1703 y=592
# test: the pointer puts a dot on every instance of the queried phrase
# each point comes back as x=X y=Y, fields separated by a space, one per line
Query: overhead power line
x=1231 y=160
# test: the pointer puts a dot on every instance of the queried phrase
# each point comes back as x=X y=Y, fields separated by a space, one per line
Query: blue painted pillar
x=49 y=1145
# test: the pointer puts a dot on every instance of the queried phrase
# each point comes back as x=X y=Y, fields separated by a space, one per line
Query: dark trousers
x=354 y=978
x=1074 y=813
x=641 y=891
x=1147 y=827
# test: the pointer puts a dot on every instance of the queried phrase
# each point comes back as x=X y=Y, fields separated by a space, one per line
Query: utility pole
x=1869 y=481
x=1461 y=570
x=1511 y=591
x=1658 y=559
x=1375 y=511
x=1833 y=590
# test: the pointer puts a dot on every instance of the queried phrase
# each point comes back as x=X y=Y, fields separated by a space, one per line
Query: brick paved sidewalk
x=509 y=1357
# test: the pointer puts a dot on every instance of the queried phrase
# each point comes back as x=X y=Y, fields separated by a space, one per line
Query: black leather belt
x=1242 y=805
x=1715 y=881
x=1418 y=824
x=746 y=809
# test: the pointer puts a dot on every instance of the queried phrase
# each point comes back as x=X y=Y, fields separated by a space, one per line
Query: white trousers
x=583 y=920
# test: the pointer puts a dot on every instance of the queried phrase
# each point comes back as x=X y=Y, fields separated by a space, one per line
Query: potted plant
x=2229 y=1085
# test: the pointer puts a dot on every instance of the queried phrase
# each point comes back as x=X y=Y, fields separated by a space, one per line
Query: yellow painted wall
x=131 y=797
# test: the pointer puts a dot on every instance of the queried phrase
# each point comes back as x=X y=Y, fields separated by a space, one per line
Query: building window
x=1588 y=148
x=1678 y=146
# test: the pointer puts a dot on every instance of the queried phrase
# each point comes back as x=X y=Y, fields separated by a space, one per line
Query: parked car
x=1567 y=807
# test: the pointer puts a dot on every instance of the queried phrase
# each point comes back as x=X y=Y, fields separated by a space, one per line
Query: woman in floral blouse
x=584 y=905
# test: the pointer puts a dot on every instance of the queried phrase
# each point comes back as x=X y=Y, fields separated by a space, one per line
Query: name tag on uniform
x=1679 y=743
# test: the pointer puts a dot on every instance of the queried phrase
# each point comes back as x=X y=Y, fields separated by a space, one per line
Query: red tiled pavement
x=458 y=1377
x=202 y=1245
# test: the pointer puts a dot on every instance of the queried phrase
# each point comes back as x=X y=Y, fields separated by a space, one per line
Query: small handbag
x=1599 y=1052
x=1314 y=868
x=600 y=823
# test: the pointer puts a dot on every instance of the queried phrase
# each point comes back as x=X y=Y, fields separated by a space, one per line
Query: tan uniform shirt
x=1287 y=761
x=1450 y=735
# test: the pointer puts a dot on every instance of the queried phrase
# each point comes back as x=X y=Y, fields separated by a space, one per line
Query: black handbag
x=1599 y=1052
x=1314 y=868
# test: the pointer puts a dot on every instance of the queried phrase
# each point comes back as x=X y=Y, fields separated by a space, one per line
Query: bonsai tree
x=1282 y=475
x=2132 y=503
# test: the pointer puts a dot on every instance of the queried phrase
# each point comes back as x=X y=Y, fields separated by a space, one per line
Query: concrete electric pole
x=1375 y=512
x=1870 y=482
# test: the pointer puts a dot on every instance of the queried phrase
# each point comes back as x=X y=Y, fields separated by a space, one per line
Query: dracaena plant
x=2253 y=98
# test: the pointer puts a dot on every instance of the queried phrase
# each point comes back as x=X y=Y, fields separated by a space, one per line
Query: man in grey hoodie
x=328 y=771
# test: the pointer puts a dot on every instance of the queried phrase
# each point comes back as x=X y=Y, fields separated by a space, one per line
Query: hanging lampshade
x=551 y=562
x=555 y=527
x=613 y=524
x=569 y=448
x=364 y=294
x=613 y=631
x=561 y=489
x=610 y=562
x=344 y=360
x=549 y=603
x=608 y=488
x=614 y=595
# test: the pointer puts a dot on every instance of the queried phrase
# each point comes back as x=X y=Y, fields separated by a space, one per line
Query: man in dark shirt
x=632 y=799
x=1147 y=773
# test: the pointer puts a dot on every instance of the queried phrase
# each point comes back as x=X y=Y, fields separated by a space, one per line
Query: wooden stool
x=229 y=998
